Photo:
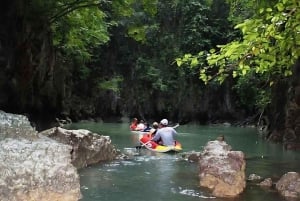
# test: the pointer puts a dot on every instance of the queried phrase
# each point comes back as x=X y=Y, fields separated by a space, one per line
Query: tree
x=269 y=45
x=268 y=48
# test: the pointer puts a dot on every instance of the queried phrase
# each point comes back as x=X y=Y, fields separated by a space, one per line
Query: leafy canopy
x=135 y=16
x=78 y=26
x=269 y=46
x=80 y=30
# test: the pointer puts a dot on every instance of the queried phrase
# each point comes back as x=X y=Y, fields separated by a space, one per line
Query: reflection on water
x=151 y=176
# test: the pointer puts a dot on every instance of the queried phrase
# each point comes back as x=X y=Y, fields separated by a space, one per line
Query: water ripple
x=191 y=192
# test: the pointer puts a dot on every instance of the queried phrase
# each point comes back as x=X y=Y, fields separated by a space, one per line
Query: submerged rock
x=191 y=156
x=222 y=170
x=266 y=183
x=254 y=177
x=87 y=147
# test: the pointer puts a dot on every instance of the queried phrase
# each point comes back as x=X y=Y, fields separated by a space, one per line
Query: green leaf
x=203 y=77
x=212 y=51
x=201 y=53
x=287 y=73
x=187 y=56
x=261 y=10
x=179 y=62
x=138 y=33
x=234 y=74
x=280 y=7
x=244 y=71
x=269 y=10
x=194 y=62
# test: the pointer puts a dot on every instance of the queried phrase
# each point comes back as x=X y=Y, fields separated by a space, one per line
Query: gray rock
x=87 y=147
x=266 y=182
x=14 y=120
x=222 y=170
x=33 y=167
x=254 y=177
x=289 y=185
x=37 y=170
x=15 y=126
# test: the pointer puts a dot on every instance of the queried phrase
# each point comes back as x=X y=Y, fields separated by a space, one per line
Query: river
x=151 y=176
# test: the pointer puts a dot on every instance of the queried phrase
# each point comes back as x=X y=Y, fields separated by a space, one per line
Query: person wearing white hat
x=165 y=135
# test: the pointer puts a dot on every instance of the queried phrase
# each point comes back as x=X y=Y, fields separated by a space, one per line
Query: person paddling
x=165 y=135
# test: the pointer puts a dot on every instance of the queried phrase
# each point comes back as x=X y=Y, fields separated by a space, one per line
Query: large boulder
x=16 y=126
x=222 y=170
x=32 y=167
x=37 y=170
x=87 y=147
x=289 y=185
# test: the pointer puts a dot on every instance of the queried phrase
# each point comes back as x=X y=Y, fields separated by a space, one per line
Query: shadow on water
x=152 y=176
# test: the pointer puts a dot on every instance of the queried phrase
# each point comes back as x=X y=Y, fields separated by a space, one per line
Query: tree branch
x=70 y=7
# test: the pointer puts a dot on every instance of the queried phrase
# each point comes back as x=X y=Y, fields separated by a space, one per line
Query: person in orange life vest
x=165 y=135
x=133 y=124
x=146 y=139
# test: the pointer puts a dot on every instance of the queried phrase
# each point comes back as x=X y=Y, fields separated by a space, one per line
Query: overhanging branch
x=70 y=8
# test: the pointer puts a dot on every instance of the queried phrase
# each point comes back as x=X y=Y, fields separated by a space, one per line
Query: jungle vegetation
x=188 y=60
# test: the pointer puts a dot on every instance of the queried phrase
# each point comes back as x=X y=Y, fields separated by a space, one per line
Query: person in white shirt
x=141 y=126
x=165 y=135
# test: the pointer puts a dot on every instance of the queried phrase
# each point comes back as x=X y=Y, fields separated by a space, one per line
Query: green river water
x=152 y=176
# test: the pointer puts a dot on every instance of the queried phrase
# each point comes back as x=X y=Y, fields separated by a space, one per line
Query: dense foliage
x=178 y=27
x=101 y=59
x=265 y=53
x=136 y=64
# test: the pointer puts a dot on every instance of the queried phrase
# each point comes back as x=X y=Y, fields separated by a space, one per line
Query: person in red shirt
x=133 y=124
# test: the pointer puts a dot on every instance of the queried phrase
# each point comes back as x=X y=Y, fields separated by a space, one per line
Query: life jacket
x=133 y=126
x=146 y=139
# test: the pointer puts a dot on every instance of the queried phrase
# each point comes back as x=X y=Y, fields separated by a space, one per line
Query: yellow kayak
x=153 y=146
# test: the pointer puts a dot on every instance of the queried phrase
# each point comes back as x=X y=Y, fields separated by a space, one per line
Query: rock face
x=284 y=114
x=291 y=136
x=87 y=147
x=222 y=170
x=37 y=170
x=34 y=168
x=289 y=185
x=15 y=126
